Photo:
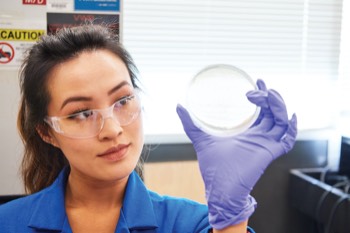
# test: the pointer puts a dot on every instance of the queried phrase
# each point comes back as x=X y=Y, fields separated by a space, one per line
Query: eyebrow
x=116 y=88
x=84 y=98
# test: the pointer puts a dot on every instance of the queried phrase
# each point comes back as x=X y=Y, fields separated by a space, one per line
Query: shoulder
x=17 y=213
x=20 y=204
x=25 y=203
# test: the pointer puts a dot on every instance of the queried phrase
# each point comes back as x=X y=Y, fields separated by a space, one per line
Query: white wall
x=10 y=143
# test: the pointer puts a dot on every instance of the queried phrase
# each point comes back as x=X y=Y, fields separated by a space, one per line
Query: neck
x=97 y=195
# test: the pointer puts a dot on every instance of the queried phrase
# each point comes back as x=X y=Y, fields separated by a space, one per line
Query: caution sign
x=17 y=36
x=20 y=34
x=7 y=53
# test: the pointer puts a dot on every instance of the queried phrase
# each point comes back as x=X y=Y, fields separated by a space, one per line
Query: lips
x=115 y=153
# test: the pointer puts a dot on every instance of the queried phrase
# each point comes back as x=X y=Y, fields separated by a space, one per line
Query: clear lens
x=89 y=123
x=81 y=127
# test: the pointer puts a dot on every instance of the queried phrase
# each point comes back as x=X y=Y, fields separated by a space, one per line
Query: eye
x=123 y=102
x=82 y=115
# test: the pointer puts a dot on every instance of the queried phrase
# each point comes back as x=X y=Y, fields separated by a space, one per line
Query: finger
x=262 y=103
x=278 y=107
x=258 y=98
x=261 y=85
x=291 y=134
x=264 y=123
x=280 y=115
x=190 y=128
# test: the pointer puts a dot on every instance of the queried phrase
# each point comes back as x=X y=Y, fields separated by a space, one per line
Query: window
x=294 y=45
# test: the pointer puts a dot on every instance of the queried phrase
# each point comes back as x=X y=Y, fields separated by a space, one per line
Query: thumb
x=190 y=128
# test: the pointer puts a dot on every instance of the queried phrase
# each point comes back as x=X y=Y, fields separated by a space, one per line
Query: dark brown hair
x=42 y=162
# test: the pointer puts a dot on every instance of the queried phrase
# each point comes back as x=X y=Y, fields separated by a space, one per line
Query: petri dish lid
x=216 y=100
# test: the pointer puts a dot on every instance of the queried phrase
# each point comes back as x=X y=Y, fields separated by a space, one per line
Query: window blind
x=294 y=45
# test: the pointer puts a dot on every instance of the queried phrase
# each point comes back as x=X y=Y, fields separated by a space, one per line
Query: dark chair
x=7 y=198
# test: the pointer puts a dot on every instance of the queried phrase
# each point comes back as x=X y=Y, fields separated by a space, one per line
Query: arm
x=231 y=166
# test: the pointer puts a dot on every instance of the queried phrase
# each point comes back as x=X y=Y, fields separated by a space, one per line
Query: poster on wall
x=16 y=36
x=56 y=21
x=97 y=5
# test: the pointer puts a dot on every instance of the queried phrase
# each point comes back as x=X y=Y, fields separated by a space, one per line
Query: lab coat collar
x=137 y=211
x=138 y=208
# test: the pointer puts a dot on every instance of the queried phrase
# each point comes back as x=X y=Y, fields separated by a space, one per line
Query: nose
x=111 y=127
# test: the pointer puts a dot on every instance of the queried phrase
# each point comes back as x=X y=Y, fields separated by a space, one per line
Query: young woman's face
x=95 y=80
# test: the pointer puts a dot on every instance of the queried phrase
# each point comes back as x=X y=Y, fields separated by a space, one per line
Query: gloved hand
x=231 y=166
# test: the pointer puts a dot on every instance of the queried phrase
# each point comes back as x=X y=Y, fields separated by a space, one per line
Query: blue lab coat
x=143 y=211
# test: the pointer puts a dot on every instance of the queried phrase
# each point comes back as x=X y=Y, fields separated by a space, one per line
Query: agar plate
x=217 y=102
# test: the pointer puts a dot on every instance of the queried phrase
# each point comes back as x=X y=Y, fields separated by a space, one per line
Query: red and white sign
x=7 y=52
x=34 y=2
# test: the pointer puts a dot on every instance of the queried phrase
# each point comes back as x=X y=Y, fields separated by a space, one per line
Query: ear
x=46 y=135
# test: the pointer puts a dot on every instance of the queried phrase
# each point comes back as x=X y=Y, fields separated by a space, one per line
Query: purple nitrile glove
x=231 y=166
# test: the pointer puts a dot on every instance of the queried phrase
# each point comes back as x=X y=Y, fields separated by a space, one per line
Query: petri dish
x=216 y=100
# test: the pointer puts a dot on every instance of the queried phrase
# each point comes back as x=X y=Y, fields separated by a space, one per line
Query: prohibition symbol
x=7 y=53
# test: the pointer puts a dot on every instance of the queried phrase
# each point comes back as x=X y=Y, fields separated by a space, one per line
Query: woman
x=82 y=130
